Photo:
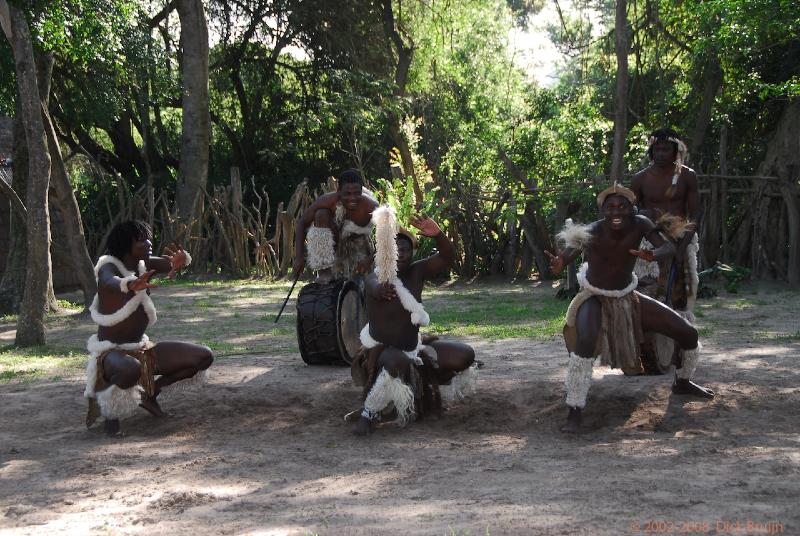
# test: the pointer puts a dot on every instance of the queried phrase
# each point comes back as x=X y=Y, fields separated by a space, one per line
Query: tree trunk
x=783 y=159
x=13 y=280
x=68 y=206
x=405 y=54
x=713 y=80
x=196 y=134
x=30 y=324
x=621 y=111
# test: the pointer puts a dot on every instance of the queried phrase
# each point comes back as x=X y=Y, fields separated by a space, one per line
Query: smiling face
x=405 y=252
x=618 y=212
x=349 y=195
x=663 y=152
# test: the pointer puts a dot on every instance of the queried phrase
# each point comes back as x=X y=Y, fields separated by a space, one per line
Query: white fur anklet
x=579 y=378
x=390 y=389
x=689 y=365
x=462 y=385
x=321 y=254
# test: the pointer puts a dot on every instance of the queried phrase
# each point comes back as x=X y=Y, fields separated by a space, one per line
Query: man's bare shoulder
x=371 y=203
x=643 y=223
x=109 y=269
x=327 y=200
x=688 y=173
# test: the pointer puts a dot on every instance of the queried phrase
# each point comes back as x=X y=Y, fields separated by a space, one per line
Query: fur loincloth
x=422 y=379
x=620 y=328
x=654 y=275
x=116 y=403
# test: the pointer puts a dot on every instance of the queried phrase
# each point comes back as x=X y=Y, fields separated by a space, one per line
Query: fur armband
x=574 y=236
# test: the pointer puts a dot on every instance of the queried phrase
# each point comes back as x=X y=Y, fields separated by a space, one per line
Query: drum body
x=329 y=320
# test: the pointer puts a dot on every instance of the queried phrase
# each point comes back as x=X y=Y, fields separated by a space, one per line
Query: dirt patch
x=263 y=449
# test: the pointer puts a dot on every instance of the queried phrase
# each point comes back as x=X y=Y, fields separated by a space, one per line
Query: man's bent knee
x=125 y=376
x=206 y=358
x=688 y=339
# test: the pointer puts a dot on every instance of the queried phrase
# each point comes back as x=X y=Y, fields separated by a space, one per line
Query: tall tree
x=621 y=101
x=196 y=133
x=30 y=323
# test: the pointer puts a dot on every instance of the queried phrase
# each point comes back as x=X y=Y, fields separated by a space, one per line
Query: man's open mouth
x=616 y=221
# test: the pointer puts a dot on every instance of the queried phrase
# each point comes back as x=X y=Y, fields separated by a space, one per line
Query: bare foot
x=573 y=421
x=111 y=426
x=93 y=412
x=150 y=404
x=686 y=387
x=363 y=427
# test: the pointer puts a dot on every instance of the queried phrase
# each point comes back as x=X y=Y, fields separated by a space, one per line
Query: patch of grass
x=775 y=337
x=69 y=305
x=706 y=331
x=8 y=319
x=700 y=313
x=38 y=362
x=746 y=303
x=515 y=316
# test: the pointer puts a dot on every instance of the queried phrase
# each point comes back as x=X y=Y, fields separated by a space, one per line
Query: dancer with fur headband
x=608 y=316
x=123 y=361
x=668 y=194
x=400 y=370
x=338 y=230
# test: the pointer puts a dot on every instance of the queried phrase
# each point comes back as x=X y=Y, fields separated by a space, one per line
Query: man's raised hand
x=556 y=262
x=425 y=225
x=177 y=258
x=387 y=292
x=646 y=255
x=142 y=282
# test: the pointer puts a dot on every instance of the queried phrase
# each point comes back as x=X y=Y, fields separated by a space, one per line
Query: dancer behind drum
x=608 y=315
x=396 y=365
x=668 y=195
x=123 y=362
x=338 y=230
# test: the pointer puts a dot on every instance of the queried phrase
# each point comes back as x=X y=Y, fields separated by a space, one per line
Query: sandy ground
x=263 y=449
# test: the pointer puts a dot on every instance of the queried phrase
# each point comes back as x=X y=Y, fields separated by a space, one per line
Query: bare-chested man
x=123 y=362
x=338 y=228
x=667 y=193
x=608 y=316
x=396 y=366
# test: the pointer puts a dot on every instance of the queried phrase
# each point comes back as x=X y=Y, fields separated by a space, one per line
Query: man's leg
x=321 y=245
x=176 y=361
x=581 y=361
x=388 y=387
x=455 y=360
x=122 y=371
x=658 y=318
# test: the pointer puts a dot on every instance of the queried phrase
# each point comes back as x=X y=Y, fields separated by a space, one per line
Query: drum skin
x=329 y=317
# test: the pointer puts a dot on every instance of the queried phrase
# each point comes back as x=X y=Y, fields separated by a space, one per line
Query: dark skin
x=611 y=255
x=652 y=183
x=358 y=209
x=174 y=360
x=391 y=324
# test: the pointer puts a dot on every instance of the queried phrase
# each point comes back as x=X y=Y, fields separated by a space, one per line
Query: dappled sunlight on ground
x=263 y=448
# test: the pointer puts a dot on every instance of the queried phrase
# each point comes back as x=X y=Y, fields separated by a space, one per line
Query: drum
x=329 y=320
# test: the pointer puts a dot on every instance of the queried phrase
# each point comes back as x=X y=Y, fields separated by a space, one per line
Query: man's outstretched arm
x=446 y=252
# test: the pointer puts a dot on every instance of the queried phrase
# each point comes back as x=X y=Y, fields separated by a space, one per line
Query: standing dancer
x=608 y=316
x=123 y=362
x=668 y=194
x=399 y=370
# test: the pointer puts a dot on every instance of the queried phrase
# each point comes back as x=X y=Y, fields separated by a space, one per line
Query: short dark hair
x=663 y=134
x=406 y=238
x=124 y=234
x=350 y=176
